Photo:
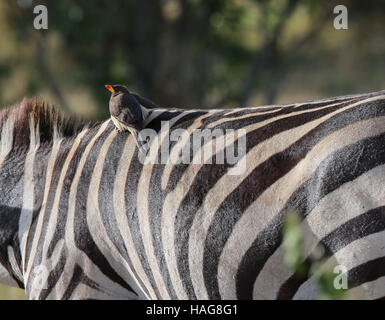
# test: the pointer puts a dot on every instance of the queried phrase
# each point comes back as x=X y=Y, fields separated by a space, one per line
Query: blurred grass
x=11 y=293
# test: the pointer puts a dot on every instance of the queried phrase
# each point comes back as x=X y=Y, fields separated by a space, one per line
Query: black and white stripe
x=82 y=218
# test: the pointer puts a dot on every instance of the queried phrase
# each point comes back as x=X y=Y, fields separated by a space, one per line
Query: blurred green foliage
x=292 y=243
x=317 y=265
x=325 y=280
x=190 y=53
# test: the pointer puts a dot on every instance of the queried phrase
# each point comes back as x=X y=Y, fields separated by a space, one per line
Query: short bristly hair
x=35 y=121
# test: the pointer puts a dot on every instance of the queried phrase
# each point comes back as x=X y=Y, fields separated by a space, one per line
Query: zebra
x=82 y=218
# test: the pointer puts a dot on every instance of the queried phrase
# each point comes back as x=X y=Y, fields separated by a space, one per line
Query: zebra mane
x=33 y=121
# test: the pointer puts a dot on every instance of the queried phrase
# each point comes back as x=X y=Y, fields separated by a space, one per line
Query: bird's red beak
x=110 y=88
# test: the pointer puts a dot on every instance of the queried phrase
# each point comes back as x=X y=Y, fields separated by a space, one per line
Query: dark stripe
x=58 y=165
x=248 y=191
x=287 y=108
x=254 y=111
x=268 y=173
x=156 y=123
x=260 y=134
x=342 y=166
x=106 y=205
x=52 y=189
x=212 y=116
x=12 y=173
x=55 y=274
x=78 y=277
x=12 y=188
x=370 y=222
x=9 y=222
x=189 y=118
x=131 y=194
x=207 y=177
x=156 y=202
x=61 y=224
x=308 y=115
x=290 y=287
x=366 y=272
x=83 y=238
x=39 y=174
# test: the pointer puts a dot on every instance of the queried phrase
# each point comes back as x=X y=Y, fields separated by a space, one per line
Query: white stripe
x=260 y=213
x=356 y=253
x=91 y=270
x=96 y=225
x=172 y=202
x=119 y=200
x=337 y=100
x=143 y=213
x=25 y=219
x=51 y=163
x=15 y=266
x=368 y=291
x=51 y=225
x=6 y=139
x=334 y=209
x=83 y=292
x=239 y=118
x=170 y=207
x=177 y=148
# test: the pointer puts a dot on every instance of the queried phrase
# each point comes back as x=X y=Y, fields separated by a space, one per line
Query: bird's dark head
x=116 y=89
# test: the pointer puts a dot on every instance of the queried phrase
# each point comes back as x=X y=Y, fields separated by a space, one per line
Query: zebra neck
x=21 y=173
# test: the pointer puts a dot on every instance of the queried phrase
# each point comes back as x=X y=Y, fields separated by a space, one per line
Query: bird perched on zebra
x=128 y=110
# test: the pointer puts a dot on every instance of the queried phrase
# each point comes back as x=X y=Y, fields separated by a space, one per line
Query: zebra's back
x=108 y=225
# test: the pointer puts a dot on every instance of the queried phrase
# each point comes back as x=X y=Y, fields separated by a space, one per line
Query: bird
x=127 y=113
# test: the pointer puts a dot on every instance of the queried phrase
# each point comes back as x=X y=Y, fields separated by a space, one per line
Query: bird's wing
x=132 y=108
x=144 y=101
x=125 y=116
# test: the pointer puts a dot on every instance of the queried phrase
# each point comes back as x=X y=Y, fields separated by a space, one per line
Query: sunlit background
x=188 y=53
